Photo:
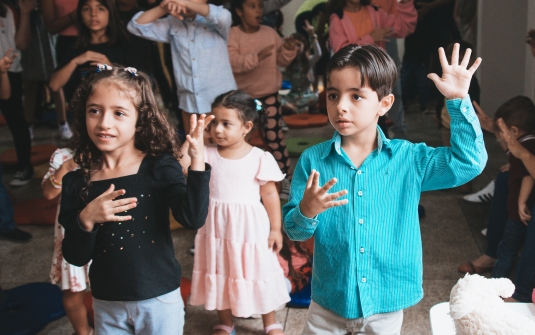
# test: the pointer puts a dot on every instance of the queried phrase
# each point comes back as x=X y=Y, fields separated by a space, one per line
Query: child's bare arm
x=178 y=7
x=49 y=190
x=5 y=65
x=516 y=149
x=23 y=34
x=525 y=190
x=152 y=15
x=270 y=199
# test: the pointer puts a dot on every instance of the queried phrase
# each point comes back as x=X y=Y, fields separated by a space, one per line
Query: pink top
x=62 y=8
x=255 y=78
x=342 y=32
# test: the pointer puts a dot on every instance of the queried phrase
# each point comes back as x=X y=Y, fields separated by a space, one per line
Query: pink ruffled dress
x=234 y=268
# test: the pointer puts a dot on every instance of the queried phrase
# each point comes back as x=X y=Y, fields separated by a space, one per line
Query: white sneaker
x=484 y=232
x=485 y=195
x=30 y=128
x=284 y=127
x=285 y=189
x=65 y=132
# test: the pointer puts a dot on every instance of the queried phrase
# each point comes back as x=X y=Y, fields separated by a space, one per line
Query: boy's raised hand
x=317 y=199
x=456 y=77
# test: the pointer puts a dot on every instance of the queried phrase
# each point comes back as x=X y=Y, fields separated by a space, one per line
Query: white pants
x=322 y=321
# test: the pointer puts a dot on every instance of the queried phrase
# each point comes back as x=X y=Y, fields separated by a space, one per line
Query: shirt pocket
x=207 y=36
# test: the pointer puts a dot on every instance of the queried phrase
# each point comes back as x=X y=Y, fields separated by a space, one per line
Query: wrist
x=85 y=222
x=306 y=212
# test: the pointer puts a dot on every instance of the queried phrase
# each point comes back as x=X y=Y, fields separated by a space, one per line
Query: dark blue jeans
x=7 y=223
x=498 y=214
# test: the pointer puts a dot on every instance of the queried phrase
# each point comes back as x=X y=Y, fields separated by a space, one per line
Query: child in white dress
x=72 y=279
x=236 y=270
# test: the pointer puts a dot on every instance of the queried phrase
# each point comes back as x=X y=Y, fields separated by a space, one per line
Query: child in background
x=518 y=114
x=301 y=98
x=125 y=145
x=357 y=22
x=101 y=39
x=198 y=34
x=255 y=52
x=17 y=37
x=72 y=279
x=372 y=247
x=236 y=270
x=294 y=259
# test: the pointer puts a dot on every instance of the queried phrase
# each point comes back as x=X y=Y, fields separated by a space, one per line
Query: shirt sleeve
x=446 y=167
x=78 y=243
x=269 y=169
x=157 y=30
x=297 y=226
x=220 y=19
x=403 y=23
x=188 y=202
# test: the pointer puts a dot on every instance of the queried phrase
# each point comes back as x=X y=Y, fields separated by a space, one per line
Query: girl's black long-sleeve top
x=134 y=260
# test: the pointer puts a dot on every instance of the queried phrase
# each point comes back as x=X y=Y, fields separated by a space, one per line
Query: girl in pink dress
x=236 y=270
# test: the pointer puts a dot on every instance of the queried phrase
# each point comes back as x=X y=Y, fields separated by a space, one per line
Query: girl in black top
x=101 y=39
x=124 y=145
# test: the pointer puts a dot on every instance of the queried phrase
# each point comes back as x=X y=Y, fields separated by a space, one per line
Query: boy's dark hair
x=114 y=31
x=377 y=70
x=517 y=112
x=154 y=135
x=337 y=6
x=247 y=108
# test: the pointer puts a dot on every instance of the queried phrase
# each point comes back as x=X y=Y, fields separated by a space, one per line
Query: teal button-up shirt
x=368 y=253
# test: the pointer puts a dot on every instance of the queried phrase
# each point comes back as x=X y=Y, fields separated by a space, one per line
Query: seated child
x=518 y=114
x=294 y=259
x=368 y=254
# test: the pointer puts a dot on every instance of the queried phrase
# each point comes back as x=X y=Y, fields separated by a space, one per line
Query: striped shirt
x=368 y=253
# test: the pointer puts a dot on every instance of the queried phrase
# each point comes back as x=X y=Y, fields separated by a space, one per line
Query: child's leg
x=273 y=134
x=163 y=315
x=513 y=238
x=322 y=321
x=73 y=302
x=268 y=320
x=225 y=319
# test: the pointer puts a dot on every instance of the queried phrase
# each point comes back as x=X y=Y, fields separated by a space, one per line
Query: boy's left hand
x=275 y=240
x=455 y=80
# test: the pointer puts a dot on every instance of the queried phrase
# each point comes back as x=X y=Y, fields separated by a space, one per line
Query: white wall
x=288 y=11
x=508 y=67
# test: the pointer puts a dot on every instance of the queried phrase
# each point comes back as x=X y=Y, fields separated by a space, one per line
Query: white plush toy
x=477 y=309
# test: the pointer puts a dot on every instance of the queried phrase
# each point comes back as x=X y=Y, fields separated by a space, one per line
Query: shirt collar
x=382 y=142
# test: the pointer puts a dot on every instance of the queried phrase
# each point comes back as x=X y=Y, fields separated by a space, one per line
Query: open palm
x=456 y=77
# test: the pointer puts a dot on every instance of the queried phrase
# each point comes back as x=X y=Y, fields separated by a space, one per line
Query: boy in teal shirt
x=367 y=246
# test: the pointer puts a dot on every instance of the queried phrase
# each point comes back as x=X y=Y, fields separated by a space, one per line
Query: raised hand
x=7 y=60
x=290 y=43
x=455 y=80
x=317 y=199
x=92 y=57
x=104 y=207
x=309 y=28
x=195 y=140
x=265 y=53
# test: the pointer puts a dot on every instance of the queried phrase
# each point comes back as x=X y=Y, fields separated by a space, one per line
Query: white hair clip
x=101 y=67
x=132 y=70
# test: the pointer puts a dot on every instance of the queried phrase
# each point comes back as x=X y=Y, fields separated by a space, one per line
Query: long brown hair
x=154 y=135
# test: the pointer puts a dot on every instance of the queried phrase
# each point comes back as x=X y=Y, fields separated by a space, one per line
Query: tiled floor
x=450 y=234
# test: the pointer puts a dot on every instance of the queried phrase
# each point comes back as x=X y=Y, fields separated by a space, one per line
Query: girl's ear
x=248 y=126
x=385 y=104
x=239 y=12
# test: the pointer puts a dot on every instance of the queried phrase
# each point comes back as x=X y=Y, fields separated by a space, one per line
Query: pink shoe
x=230 y=330
x=273 y=327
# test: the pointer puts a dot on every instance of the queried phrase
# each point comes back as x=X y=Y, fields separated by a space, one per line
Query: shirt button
x=360 y=193
x=191 y=41
x=352 y=168
x=361 y=221
x=363 y=280
x=361 y=250
x=359 y=172
x=193 y=59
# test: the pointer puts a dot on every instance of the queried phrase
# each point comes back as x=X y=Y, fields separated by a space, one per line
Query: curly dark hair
x=154 y=135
